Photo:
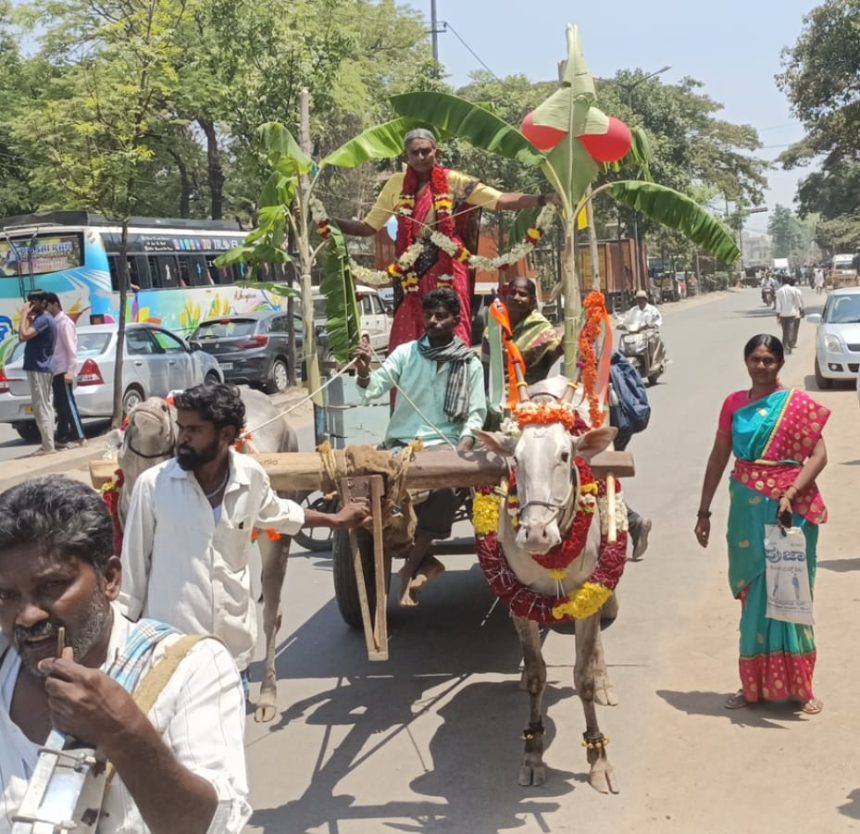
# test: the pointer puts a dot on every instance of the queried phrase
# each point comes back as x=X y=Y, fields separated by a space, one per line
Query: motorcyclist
x=642 y=313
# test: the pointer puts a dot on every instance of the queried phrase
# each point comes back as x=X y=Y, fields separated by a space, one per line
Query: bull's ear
x=595 y=441
x=496 y=441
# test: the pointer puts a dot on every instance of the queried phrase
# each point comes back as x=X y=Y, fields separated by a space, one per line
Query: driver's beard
x=190 y=461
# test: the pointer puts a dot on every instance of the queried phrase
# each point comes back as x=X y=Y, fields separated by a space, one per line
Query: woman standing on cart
x=427 y=198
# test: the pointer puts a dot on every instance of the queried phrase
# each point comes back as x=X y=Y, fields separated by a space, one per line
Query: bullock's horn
x=522 y=385
x=569 y=391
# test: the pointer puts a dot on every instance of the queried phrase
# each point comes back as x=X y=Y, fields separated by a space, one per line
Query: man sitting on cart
x=440 y=401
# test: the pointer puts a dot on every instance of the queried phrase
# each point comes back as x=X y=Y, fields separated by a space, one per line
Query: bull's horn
x=569 y=391
x=522 y=385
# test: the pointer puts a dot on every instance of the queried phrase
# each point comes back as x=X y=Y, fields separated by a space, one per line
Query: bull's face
x=150 y=433
x=547 y=485
x=547 y=478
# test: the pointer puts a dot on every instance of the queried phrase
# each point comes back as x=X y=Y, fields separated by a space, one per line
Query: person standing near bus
x=38 y=330
x=64 y=365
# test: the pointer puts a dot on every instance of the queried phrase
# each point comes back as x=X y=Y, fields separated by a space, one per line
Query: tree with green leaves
x=91 y=129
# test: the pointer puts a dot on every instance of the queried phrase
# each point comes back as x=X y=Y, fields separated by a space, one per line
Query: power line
x=475 y=55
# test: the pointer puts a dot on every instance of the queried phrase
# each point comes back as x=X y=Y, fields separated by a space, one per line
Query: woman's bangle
x=703 y=514
x=786 y=495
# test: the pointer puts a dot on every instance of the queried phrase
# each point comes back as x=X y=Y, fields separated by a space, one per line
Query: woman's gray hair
x=419 y=133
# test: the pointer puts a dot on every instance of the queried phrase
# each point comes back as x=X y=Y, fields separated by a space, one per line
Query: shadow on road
x=761 y=716
x=852 y=807
x=841 y=565
x=474 y=755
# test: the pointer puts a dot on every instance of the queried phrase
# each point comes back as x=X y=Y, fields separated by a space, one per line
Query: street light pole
x=434 y=30
x=628 y=88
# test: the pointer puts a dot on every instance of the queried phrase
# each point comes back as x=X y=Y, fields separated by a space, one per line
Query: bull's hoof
x=532 y=775
x=602 y=778
x=266 y=710
x=604 y=693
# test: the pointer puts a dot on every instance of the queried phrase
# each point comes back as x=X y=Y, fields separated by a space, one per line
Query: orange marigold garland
x=595 y=316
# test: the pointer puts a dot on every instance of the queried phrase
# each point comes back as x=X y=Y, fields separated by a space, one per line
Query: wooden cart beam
x=303 y=472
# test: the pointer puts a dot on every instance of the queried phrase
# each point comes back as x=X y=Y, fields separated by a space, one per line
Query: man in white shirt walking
x=64 y=366
x=179 y=759
x=643 y=313
x=789 y=311
x=187 y=539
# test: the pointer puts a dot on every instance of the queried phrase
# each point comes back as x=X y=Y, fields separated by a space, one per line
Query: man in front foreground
x=440 y=401
x=180 y=769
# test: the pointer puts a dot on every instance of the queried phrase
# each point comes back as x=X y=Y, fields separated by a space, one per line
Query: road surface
x=430 y=741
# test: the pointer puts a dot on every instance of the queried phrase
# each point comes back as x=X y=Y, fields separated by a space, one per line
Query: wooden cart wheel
x=345 y=589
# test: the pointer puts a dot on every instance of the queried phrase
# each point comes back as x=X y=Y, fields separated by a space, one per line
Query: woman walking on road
x=775 y=435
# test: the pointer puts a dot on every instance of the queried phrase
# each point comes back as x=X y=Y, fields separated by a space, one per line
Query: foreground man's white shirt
x=181 y=568
x=200 y=715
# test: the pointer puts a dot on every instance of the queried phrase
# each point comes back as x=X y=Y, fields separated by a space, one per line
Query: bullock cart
x=362 y=567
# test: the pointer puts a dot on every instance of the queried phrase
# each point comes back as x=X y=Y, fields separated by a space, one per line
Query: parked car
x=837 y=339
x=252 y=348
x=155 y=362
x=375 y=321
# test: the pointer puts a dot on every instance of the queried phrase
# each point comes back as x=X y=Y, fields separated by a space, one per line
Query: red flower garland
x=560 y=557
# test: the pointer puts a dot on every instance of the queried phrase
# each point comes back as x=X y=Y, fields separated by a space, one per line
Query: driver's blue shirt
x=39 y=350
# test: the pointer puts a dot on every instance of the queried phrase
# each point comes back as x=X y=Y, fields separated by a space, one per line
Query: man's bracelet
x=703 y=514
x=541 y=200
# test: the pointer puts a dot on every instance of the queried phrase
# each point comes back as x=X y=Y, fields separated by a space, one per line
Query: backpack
x=632 y=411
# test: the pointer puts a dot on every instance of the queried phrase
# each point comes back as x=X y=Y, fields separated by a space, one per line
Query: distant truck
x=843 y=271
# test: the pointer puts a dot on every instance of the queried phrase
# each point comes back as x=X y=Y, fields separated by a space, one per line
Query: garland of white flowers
x=400 y=270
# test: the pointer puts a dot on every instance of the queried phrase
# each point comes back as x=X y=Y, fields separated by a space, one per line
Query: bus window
x=134 y=276
x=219 y=274
x=184 y=271
x=139 y=272
x=199 y=272
x=164 y=271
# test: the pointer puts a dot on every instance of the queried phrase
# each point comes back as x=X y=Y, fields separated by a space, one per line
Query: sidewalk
x=74 y=463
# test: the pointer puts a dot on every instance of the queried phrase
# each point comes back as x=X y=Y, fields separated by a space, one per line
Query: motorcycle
x=767 y=296
x=643 y=345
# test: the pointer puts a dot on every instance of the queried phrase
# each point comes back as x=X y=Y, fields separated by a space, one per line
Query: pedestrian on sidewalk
x=38 y=331
x=775 y=435
x=789 y=312
x=64 y=366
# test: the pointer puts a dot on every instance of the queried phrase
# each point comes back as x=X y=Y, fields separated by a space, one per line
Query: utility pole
x=434 y=30
x=310 y=341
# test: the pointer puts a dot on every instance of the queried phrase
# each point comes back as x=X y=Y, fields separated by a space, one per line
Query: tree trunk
x=184 y=183
x=215 y=171
x=122 y=278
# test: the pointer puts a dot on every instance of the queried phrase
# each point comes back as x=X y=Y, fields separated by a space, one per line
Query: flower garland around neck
x=442 y=237
x=523 y=601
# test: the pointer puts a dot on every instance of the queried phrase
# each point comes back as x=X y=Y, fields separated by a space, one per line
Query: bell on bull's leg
x=602 y=776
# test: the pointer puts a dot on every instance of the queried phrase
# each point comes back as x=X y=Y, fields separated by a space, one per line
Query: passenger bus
x=173 y=278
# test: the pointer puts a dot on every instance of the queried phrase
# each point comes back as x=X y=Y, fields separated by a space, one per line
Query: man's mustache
x=47 y=628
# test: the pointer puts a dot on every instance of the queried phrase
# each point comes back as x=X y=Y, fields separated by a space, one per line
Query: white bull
x=150 y=438
x=548 y=491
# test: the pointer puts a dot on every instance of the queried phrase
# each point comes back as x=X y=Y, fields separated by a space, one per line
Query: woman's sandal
x=736 y=701
x=812 y=707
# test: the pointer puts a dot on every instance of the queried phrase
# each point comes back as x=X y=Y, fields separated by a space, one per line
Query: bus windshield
x=40 y=254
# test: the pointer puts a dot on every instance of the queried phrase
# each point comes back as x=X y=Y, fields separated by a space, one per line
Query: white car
x=837 y=339
x=375 y=321
x=156 y=362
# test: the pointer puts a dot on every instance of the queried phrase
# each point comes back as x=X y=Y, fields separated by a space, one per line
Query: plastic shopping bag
x=789 y=597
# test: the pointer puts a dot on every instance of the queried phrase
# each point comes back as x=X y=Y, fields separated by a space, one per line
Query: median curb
x=75 y=462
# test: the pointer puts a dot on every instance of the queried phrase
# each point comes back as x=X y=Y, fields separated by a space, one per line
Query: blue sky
x=733 y=47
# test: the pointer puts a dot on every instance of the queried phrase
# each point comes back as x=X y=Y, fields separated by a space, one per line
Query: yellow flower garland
x=485 y=513
x=583 y=602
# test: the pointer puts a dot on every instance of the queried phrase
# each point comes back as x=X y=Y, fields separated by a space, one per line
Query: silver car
x=837 y=339
x=156 y=362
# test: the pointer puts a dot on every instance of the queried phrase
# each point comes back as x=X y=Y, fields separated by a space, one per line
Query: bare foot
x=407 y=600
x=429 y=569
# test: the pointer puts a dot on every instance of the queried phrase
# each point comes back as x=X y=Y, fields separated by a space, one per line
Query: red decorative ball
x=543 y=137
x=611 y=146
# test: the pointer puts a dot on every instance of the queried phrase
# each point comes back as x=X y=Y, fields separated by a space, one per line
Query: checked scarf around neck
x=458 y=356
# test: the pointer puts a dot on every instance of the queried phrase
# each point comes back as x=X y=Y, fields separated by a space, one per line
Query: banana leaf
x=465 y=120
x=282 y=150
x=384 y=141
x=270 y=286
x=679 y=212
x=523 y=220
x=343 y=320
